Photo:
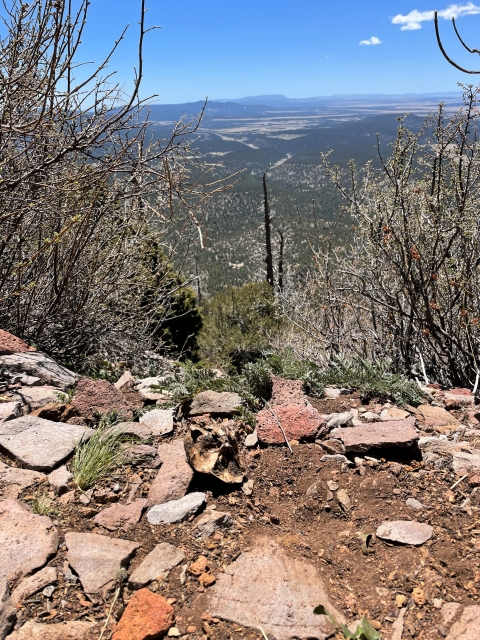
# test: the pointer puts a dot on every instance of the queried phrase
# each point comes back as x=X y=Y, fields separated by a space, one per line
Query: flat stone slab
x=159 y=562
x=174 y=477
x=394 y=413
x=437 y=416
x=34 y=398
x=405 y=532
x=40 y=366
x=120 y=516
x=39 y=444
x=33 y=584
x=401 y=433
x=26 y=540
x=176 y=510
x=467 y=461
x=159 y=422
x=467 y=621
x=75 y=630
x=266 y=588
x=211 y=520
x=21 y=478
x=97 y=559
x=225 y=403
x=10 y=410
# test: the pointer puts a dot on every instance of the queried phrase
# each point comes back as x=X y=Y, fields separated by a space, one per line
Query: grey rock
x=339 y=420
x=8 y=614
x=252 y=439
x=30 y=381
x=34 y=583
x=159 y=422
x=146 y=383
x=48 y=591
x=210 y=521
x=225 y=403
x=10 y=411
x=26 y=540
x=266 y=588
x=59 y=479
x=159 y=562
x=344 y=500
x=74 y=630
x=415 y=504
x=337 y=457
x=41 y=366
x=120 y=515
x=39 y=444
x=467 y=461
x=176 y=510
x=97 y=559
x=334 y=392
x=333 y=447
x=126 y=381
x=370 y=416
x=33 y=398
x=378 y=435
x=405 y=532
x=174 y=477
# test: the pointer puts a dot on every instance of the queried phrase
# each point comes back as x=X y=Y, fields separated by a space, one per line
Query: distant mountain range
x=280 y=101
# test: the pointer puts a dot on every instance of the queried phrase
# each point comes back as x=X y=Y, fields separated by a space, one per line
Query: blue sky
x=299 y=48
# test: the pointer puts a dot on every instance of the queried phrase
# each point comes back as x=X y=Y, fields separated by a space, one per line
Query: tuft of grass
x=41 y=505
x=96 y=457
x=373 y=380
x=364 y=631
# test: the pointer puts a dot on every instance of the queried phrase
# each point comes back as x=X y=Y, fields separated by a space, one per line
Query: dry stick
x=263 y=633
x=458 y=482
x=477 y=379
x=278 y=421
x=117 y=593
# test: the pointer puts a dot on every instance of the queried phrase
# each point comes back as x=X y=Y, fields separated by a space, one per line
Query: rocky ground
x=212 y=530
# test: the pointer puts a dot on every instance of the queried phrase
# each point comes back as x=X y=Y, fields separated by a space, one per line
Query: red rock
x=474 y=480
x=148 y=616
x=287 y=392
x=437 y=417
x=460 y=392
x=11 y=344
x=299 y=423
x=93 y=397
x=174 y=477
x=55 y=411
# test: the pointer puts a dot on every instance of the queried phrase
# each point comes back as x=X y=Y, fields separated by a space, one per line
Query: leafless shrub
x=90 y=206
x=408 y=288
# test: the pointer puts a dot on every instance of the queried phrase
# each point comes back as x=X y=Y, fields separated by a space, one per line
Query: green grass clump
x=373 y=380
x=96 y=457
x=41 y=505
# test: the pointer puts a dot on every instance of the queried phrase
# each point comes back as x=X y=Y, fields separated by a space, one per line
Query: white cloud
x=370 y=41
x=413 y=20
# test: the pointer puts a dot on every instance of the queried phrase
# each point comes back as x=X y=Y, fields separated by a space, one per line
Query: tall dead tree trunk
x=280 y=262
x=268 y=233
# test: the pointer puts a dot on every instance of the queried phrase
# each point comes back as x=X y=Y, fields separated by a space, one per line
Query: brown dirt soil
x=309 y=525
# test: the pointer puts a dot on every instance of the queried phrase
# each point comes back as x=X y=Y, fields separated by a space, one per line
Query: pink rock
x=26 y=540
x=174 y=477
x=400 y=433
x=120 y=515
x=93 y=397
x=97 y=559
x=298 y=422
x=437 y=417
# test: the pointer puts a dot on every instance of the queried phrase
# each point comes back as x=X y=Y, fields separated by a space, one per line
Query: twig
x=458 y=482
x=263 y=633
x=117 y=593
x=424 y=371
x=477 y=379
x=267 y=404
